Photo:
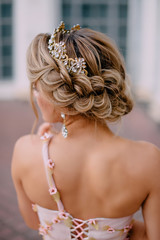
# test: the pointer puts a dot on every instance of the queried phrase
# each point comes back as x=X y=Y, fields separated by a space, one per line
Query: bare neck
x=81 y=125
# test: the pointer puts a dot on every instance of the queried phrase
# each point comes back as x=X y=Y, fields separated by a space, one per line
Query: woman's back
x=100 y=176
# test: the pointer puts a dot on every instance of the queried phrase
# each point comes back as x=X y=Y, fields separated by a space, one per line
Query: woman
x=96 y=180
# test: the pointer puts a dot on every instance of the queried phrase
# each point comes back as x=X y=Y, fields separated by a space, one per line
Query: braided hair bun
x=103 y=94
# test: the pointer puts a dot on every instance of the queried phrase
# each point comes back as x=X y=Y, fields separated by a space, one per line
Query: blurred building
x=133 y=24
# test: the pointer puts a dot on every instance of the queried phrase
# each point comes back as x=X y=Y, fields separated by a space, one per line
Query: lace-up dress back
x=61 y=225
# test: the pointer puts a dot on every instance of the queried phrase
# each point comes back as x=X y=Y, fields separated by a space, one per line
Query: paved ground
x=16 y=119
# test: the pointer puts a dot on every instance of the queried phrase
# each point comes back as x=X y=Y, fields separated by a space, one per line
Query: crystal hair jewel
x=58 y=52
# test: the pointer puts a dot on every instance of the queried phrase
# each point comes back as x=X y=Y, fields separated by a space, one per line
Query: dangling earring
x=64 y=129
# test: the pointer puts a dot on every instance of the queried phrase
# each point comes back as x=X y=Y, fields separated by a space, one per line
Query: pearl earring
x=64 y=129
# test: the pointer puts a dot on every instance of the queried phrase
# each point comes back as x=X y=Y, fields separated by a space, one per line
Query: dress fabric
x=60 y=225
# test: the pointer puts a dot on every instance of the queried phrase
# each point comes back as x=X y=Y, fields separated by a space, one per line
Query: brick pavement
x=16 y=119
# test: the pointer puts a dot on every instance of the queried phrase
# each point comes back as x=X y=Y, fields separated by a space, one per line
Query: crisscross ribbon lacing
x=79 y=229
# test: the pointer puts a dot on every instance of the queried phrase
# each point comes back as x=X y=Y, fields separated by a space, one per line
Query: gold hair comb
x=58 y=52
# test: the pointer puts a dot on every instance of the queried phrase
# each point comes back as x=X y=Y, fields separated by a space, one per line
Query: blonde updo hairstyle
x=103 y=94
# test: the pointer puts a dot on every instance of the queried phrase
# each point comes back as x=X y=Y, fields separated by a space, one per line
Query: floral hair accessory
x=58 y=52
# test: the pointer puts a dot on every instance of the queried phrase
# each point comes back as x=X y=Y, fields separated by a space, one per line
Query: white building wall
x=144 y=51
x=154 y=108
x=30 y=17
x=142 y=46
x=148 y=49
x=133 y=40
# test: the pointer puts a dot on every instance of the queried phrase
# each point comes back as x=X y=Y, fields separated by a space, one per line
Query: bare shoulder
x=147 y=152
x=25 y=147
x=125 y=162
x=27 y=140
x=27 y=143
x=151 y=155
x=144 y=156
x=138 y=158
x=126 y=152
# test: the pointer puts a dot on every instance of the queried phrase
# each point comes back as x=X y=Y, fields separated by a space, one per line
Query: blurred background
x=132 y=24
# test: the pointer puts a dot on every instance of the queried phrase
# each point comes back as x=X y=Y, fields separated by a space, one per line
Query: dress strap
x=49 y=165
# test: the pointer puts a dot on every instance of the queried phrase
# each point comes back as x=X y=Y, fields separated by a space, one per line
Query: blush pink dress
x=61 y=225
